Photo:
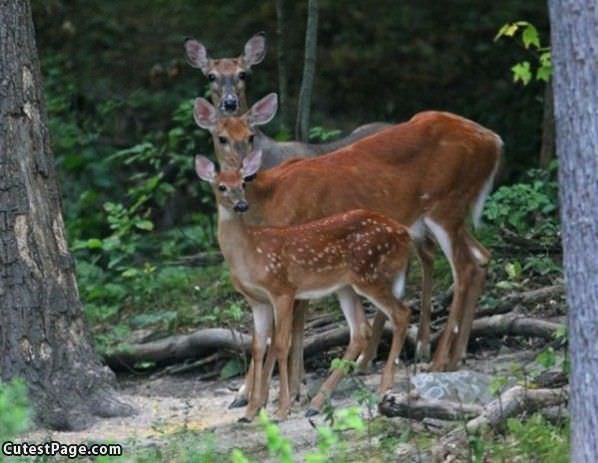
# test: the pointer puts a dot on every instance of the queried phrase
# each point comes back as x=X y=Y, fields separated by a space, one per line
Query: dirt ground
x=168 y=405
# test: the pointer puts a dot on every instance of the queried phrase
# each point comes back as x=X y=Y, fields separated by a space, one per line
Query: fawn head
x=235 y=136
x=229 y=185
x=227 y=76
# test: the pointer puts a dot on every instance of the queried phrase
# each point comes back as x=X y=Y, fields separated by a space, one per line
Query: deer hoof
x=238 y=402
x=311 y=412
x=244 y=419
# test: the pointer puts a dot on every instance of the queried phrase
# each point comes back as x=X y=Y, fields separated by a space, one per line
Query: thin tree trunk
x=547 y=149
x=574 y=33
x=309 y=70
x=43 y=337
x=281 y=56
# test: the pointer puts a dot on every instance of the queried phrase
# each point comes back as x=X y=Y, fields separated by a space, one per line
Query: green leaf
x=144 y=225
x=507 y=30
x=522 y=71
x=544 y=73
x=546 y=358
x=94 y=243
x=232 y=368
x=530 y=36
x=130 y=273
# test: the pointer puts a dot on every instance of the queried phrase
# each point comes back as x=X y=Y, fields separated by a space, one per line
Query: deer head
x=227 y=76
x=234 y=137
x=229 y=185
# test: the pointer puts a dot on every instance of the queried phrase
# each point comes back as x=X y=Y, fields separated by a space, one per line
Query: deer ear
x=263 y=111
x=197 y=55
x=205 y=168
x=251 y=163
x=255 y=49
x=205 y=114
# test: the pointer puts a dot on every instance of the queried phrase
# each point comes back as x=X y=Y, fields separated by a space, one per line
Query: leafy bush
x=15 y=415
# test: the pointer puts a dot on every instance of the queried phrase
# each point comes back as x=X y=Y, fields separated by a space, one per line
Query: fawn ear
x=251 y=163
x=205 y=114
x=255 y=49
x=197 y=55
x=205 y=168
x=263 y=111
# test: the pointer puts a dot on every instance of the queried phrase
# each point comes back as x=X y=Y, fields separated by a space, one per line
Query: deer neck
x=235 y=240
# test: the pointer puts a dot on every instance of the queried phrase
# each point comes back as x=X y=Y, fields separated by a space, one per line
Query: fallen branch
x=417 y=408
x=526 y=298
x=510 y=324
x=515 y=401
x=179 y=348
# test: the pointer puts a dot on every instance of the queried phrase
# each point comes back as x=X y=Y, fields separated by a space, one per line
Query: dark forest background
x=119 y=94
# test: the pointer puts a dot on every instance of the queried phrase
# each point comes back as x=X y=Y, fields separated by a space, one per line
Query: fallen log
x=413 y=407
x=510 y=324
x=525 y=298
x=178 y=348
x=513 y=402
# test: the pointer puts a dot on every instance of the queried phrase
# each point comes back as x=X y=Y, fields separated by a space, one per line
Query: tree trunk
x=281 y=56
x=574 y=45
x=547 y=148
x=309 y=70
x=43 y=336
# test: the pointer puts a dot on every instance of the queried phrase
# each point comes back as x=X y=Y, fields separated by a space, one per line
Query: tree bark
x=43 y=336
x=281 y=57
x=574 y=34
x=309 y=70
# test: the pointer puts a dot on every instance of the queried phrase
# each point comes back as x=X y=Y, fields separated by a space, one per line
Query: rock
x=465 y=386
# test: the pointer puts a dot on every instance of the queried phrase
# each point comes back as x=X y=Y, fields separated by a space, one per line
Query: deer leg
x=425 y=253
x=244 y=391
x=296 y=362
x=371 y=350
x=283 y=323
x=359 y=332
x=481 y=257
x=453 y=244
x=262 y=321
x=381 y=295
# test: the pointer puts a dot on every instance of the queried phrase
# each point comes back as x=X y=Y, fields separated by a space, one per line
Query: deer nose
x=230 y=104
x=241 y=206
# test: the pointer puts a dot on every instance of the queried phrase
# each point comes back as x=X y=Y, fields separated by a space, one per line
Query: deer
x=277 y=265
x=430 y=173
x=228 y=78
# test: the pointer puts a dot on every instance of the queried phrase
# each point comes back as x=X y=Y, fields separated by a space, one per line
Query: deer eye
x=242 y=75
x=211 y=77
x=222 y=187
x=223 y=140
x=251 y=137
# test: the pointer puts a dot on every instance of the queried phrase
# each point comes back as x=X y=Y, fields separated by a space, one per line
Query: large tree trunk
x=574 y=47
x=309 y=70
x=43 y=336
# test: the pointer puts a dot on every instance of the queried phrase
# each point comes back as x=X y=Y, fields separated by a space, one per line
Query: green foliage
x=528 y=208
x=15 y=415
x=278 y=446
x=530 y=38
x=533 y=439
x=320 y=134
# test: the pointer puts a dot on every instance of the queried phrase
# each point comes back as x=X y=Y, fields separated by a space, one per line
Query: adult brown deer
x=228 y=79
x=430 y=173
x=276 y=265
